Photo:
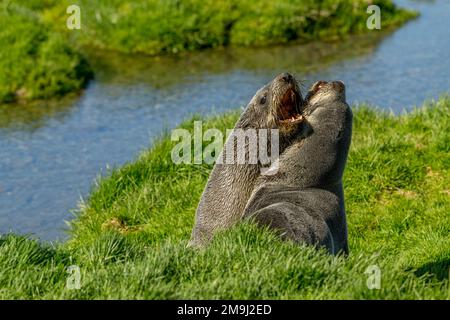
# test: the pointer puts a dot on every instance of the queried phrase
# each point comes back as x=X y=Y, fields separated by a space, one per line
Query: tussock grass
x=130 y=237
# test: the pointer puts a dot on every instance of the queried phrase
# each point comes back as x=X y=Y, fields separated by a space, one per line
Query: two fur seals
x=278 y=105
x=304 y=201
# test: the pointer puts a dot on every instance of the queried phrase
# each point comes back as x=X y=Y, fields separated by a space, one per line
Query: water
x=51 y=152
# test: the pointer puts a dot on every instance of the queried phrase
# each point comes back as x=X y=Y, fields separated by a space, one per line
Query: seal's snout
x=322 y=86
x=323 y=90
x=318 y=86
x=338 y=85
x=287 y=77
x=289 y=100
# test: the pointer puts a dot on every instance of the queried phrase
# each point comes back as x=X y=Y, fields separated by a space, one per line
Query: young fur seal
x=304 y=201
x=277 y=105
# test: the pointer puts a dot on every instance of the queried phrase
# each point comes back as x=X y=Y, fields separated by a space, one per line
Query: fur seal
x=277 y=105
x=304 y=201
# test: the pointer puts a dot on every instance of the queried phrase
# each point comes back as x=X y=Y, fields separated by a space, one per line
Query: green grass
x=130 y=236
x=159 y=27
x=41 y=58
x=35 y=62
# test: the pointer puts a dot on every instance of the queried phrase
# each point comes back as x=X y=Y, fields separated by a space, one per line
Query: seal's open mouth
x=289 y=108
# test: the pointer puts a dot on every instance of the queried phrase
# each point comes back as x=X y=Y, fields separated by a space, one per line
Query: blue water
x=52 y=152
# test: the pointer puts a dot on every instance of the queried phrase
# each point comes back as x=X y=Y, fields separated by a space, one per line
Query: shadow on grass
x=439 y=269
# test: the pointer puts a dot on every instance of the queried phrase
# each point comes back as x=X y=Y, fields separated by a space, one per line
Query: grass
x=130 y=237
x=42 y=58
x=158 y=27
x=36 y=63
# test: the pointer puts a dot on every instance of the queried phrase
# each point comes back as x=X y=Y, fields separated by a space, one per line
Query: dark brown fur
x=230 y=185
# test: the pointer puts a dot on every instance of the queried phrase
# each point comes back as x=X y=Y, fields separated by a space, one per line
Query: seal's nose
x=287 y=77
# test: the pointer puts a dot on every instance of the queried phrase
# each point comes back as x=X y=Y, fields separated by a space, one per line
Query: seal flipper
x=293 y=223
x=311 y=216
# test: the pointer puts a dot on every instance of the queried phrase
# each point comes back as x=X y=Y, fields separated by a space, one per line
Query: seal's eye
x=262 y=100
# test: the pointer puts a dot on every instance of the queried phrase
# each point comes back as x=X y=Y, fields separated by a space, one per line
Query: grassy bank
x=129 y=239
x=36 y=62
x=41 y=58
x=158 y=27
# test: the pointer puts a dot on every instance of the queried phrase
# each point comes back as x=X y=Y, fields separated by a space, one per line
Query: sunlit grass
x=41 y=58
x=36 y=62
x=130 y=237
